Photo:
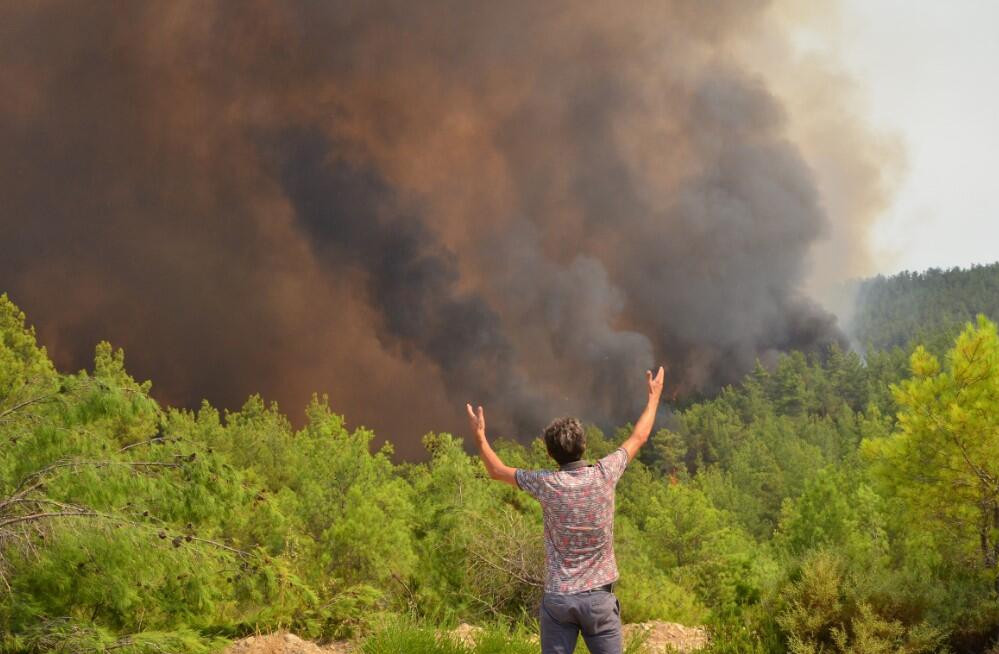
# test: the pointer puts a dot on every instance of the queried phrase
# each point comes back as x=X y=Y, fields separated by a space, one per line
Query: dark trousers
x=595 y=613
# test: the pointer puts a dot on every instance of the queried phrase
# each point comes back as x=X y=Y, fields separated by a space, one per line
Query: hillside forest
x=845 y=501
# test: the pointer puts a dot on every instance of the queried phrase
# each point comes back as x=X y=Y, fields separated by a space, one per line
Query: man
x=578 y=505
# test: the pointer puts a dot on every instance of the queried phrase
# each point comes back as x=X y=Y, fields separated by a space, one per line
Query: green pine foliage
x=829 y=503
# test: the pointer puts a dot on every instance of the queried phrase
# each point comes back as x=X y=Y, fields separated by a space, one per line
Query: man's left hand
x=477 y=421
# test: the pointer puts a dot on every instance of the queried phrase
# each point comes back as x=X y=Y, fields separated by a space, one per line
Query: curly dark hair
x=565 y=440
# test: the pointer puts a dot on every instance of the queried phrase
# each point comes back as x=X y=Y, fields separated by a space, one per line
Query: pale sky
x=930 y=74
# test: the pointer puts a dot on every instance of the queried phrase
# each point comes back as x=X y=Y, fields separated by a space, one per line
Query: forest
x=844 y=501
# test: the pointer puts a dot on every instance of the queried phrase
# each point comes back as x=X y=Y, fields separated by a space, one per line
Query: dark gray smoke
x=406 y=205
x=352 y=219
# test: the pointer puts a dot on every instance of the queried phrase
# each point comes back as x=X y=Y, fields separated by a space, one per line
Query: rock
x=285 y=643
x=660 y=636
x=466 y=634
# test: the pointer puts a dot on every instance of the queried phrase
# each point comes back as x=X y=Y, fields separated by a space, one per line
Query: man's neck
x=573 y=465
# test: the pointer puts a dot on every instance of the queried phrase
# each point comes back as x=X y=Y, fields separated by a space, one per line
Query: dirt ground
x=663 y=635
x=285 y=643
x=659 y=637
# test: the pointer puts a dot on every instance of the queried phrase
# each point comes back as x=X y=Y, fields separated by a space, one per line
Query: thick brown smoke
x=406 y=205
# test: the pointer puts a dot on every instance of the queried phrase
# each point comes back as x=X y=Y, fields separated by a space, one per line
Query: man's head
x=565 y=440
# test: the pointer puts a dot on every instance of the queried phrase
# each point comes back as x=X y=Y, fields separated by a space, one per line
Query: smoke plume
x=406 y=205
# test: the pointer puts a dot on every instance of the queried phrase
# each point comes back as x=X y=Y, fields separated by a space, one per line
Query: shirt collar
x=574 y=465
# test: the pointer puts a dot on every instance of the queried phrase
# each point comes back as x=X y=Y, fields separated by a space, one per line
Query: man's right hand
x=655 y=384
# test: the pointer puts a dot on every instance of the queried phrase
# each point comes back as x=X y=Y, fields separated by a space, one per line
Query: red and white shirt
x=578 y=506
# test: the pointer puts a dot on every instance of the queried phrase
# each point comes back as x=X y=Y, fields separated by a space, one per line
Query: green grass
x=409 y=638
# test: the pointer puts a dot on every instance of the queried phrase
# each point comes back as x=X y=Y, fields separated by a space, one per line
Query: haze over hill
x=932 y=305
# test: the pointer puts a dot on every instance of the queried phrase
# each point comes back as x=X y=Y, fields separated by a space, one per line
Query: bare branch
x=73 y=463
x=158 y=439
x=25 y=404
x=48 y=514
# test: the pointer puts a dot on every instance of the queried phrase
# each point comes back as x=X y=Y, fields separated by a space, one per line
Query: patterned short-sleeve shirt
x=578 y=507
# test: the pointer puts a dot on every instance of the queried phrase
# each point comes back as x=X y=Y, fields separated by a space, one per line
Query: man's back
x=578 y=505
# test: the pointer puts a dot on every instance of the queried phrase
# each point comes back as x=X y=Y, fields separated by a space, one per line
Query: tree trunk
x=995 y=544
x=984 y=542
x=988 y=530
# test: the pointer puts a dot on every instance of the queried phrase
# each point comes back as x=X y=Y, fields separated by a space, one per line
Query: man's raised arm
x=643 y=427
x=494 y=466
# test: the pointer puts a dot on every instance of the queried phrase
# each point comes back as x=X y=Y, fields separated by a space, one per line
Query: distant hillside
x=928 y=307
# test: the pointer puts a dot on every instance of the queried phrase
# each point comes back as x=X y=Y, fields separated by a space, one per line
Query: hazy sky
x=930 y=73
